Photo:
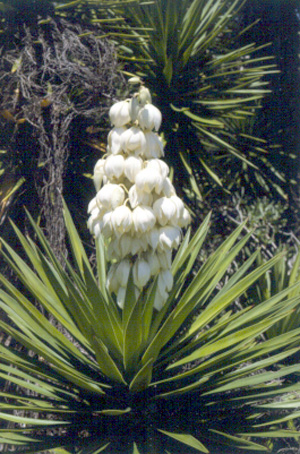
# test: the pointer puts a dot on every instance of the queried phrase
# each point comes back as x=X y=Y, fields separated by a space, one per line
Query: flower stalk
x=136 y=207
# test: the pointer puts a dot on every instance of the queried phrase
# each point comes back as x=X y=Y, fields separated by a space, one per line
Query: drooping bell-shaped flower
x=133 y=141
x=114 y=140
x=121 y=219
x=149 y=117
x=99 y=173
x=119 y=114
x=132 y=167
x=111 y=196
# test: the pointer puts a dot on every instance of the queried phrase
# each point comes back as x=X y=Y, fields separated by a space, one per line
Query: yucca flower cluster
x=136 y=206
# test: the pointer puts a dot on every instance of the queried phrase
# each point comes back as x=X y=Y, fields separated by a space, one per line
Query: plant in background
x=130 y=375
x=204 y=75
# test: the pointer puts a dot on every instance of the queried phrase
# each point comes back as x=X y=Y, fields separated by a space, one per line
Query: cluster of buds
x=136 y=207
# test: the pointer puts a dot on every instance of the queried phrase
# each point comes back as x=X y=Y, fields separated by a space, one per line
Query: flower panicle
x=136 y=207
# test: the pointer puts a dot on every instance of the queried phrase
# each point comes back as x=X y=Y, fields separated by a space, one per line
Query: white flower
x=149 y=117
x=134 y=107
x=167 y=188
x=132 y=167
x=99 y=173
x=165 y=259
x=141 y=273
x=114 y=166
x=133 y=140
x=161 y=297
x=165 y=211
x=185 y=219
x=154 y=145
x=153 y=262
x=92 y=205
x=121 y=219
x=114 y=140
x=159 y=166
x=112 y=282
x=119 y=113
x=121 y=297
x=149 y=179
x=144 y=96
x=169 y=237
x=105 y=225
x=152 y=238
x=122 y=272
x=165 y=281
x=137 y=197
x=111 y=196
x=143 y=219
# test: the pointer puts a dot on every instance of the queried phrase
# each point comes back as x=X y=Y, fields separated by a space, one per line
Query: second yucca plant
x=153 y=359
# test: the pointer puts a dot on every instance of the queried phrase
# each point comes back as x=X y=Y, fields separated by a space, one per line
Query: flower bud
x=149 y=117
x=144 y=96
x=134 y=108
x=119 y=114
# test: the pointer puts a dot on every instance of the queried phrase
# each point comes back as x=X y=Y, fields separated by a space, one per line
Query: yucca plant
x=283 y=276
x=163 y=365
x=137 y=379
x=202 y=71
